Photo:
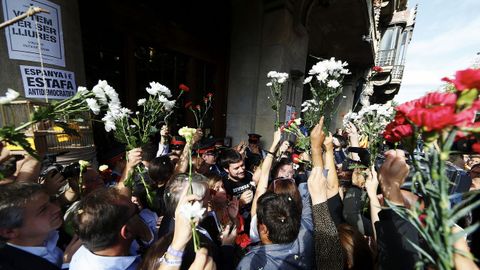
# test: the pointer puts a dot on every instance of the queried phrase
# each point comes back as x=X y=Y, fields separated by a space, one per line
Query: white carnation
x=307 y=80
x=157 y=88
x=322 y=77
x=10 y=95
x=272 y=74
x=141 y=101
x=162 y=99
x=103 y=168
x=192 y=211
x=333 y=84
x=100 y=94
x=93 y=105
x=81 y=90
x=269 y=84
x=169 y=105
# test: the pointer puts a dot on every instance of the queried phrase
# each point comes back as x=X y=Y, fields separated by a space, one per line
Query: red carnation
x=476 y=147
x=205 y=100
x=296 y=158
x=197 y=107
x=377 y=68
x=188 y=104
x=183 y=87
x=437 y=98
x=243 y=240
x=435 y=118
x=210 y=95
x=465 y=79
x=394 y=132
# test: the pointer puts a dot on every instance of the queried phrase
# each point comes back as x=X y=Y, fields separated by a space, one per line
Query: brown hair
x=151 y=261
x=357 y=253
x=286 y=186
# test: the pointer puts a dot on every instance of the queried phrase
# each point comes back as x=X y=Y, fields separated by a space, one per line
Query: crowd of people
x=272 y=208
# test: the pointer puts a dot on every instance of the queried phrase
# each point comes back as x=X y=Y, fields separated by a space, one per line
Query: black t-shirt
x=237 y=188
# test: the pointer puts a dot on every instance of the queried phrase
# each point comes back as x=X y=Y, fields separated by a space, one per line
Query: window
x=389 y=39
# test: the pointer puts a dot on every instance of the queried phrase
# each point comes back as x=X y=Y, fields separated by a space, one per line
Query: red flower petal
x=476 y=147
x=466 y=79
x=183 y=87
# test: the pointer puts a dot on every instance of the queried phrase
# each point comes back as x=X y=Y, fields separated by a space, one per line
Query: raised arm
x=317 y=137
x=134 y=157
x=163 y=147
x=371 y=185
x=396 y=236
x=353 y=139
x=182 y=164
x=332 y=178
x=266 y=166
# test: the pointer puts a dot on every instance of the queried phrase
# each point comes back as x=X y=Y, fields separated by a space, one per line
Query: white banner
x=60 y=84
x=22 y=39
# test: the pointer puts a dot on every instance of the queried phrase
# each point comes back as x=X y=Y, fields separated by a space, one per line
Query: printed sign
x=44 y=28
x=60 y=84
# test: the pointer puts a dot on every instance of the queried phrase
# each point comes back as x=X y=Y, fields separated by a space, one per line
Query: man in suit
x=28 y=229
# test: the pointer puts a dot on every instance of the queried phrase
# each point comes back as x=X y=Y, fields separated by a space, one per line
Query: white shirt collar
x=48 y=251
x=85 y=259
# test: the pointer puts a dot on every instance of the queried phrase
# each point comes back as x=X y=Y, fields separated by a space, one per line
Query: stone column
x=263 y=39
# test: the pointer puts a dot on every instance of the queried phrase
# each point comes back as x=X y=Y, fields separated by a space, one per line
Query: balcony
x=397 y=73
x=386 y=58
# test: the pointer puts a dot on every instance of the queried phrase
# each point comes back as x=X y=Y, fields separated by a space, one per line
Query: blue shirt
x=298 y=254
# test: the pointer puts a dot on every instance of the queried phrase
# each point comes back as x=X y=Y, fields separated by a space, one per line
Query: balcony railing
x=397 y=72
x=386 y=57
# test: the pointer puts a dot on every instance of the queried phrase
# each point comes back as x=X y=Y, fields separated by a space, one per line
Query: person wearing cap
x=254 y=152
x=208 y=152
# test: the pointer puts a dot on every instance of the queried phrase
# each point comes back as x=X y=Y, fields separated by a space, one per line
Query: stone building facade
x=228 y=47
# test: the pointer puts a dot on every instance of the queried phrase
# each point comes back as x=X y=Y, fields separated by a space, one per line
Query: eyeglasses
x=291 y=180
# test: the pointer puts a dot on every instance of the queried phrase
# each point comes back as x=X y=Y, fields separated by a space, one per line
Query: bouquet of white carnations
x=325 y=82
x=277 y=80
x=58 y=113
x=371 y=122
x=134 y=130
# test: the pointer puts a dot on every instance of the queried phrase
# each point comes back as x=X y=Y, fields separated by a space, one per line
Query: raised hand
x=317 y=136
x=392 y=175
x=53 y=182
x=134 y=157
x=328 y=142
x=228 y=235
x=246 y=197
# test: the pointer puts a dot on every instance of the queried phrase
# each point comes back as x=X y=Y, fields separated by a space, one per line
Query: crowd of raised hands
x=278 y=217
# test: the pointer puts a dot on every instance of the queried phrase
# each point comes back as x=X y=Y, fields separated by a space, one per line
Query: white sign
x=60 y=84
x=23 y=37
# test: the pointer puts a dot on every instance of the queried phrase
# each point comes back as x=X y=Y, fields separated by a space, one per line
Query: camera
x=69 y=171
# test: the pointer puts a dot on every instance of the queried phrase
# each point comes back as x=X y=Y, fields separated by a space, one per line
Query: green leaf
x=466 y=98
x=136 y=121
x=18 y=138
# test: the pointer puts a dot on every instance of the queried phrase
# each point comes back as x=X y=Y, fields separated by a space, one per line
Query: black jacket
x=12 y=258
